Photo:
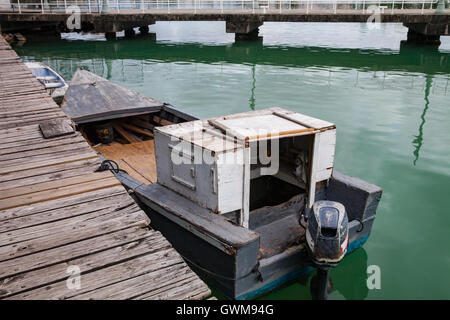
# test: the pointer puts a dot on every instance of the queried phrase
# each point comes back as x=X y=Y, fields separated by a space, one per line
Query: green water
x=391 y=105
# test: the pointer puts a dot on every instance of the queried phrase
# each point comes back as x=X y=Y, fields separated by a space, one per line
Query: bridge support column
x=50 y=32
x=129 y=32
x=426 y=33
x=144 y=29
x=110 y=35
x=243 y=30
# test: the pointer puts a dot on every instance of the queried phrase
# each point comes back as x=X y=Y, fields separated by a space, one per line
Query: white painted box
x=213 y=161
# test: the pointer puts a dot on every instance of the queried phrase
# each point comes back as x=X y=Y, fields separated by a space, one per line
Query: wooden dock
x=59 y=217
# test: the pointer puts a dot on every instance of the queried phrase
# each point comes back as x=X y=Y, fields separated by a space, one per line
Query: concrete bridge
x=426 y=20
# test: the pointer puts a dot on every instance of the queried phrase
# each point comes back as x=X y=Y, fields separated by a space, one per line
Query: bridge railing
x=219 y=6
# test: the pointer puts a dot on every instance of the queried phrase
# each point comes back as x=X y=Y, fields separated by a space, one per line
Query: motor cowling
x=327 y=233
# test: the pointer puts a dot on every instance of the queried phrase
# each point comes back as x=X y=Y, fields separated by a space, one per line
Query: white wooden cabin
x=216 y=162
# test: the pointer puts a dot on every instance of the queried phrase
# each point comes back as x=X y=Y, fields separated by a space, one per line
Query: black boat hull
x=231 y=265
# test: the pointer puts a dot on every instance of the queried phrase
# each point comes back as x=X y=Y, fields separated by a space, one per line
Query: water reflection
x=252 y=97
x=347 y=280
x=350 y=276
x=409 y=59
x=418 y=140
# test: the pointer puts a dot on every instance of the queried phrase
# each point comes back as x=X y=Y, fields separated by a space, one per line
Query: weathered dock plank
x=56 y=212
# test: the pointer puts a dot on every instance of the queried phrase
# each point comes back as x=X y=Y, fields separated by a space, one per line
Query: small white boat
x=50 y=79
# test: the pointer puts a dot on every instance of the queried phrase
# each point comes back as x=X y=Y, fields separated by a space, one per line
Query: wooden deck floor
x=58 y=216
x=137 y=159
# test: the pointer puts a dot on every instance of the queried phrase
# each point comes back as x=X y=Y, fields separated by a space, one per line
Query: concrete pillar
x=48 y=28
x=251 y=36
x=244 y=30
x=129 y=32
x=46 y=34
x=426 y=33
x=420 y=38
x=110 y=35
x=144 y=29
x=51 y=31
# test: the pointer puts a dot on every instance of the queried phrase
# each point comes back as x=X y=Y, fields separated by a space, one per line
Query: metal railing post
x=18 y=3
x=42 y=6
x=423 y=5
x=89 y=6
x=221 y=5
x=392 y=12
x=118 y=7
x=143 y=5
x=280 y=6
x=403 y=2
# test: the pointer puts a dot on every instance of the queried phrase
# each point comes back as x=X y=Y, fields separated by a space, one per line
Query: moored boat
x=250 y=200
x=54 y=83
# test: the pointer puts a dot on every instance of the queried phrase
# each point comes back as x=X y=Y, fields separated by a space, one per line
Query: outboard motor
x=327 y=240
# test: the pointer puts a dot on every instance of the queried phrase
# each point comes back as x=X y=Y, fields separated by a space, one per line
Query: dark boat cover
x=91 y=98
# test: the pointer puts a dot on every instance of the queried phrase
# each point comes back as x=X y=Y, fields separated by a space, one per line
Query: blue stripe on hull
x=295 y=274
x=358 y=243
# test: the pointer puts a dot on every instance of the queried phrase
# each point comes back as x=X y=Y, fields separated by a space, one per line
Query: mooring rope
x=110 y=165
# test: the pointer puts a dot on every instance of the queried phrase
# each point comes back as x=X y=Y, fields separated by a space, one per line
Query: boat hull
x=235 y=269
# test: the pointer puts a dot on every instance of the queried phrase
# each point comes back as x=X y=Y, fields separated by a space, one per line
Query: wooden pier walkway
x=59 y=217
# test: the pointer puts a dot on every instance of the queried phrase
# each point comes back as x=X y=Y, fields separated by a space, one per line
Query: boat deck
x=58 y=217
x=137 y=159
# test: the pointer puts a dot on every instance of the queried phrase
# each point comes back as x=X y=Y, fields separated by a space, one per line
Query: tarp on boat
x=92 y=98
